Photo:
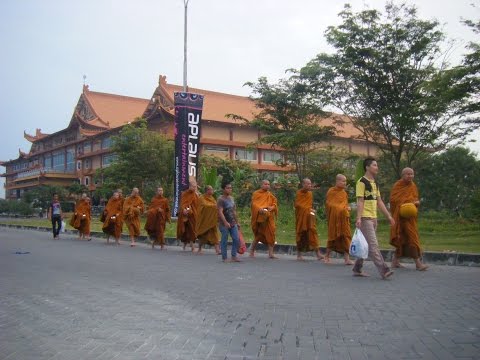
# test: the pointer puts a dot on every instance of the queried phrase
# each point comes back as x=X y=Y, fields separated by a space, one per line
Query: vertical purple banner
x=188 y=115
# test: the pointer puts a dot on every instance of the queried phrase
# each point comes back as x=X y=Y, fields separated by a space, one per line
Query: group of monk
x=129 y=210
x=201 y=217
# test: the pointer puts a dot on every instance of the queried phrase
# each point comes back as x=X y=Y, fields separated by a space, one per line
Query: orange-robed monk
x=404 y=235
x=81 y=217
x=305 y=221
x=157 y=216
x=133 y=207
x=338 y=219
x=264 y=211
x=207 y=222
x=187 y=215
x=113 y=214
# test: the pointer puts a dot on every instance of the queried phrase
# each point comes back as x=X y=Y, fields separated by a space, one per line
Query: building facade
x=76 y=152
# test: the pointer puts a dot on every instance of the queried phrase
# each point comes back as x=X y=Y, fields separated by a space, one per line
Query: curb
x=429 y=257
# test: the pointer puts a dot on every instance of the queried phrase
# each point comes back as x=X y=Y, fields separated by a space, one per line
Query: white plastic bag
x=63 y=227
x=359 y=246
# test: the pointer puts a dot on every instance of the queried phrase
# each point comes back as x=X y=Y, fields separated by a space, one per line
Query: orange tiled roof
x=32 y=138
x=90 y=132
x=216 y=105
x=114 y=110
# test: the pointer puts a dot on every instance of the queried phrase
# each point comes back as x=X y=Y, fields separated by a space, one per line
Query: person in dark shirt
x=55 y=215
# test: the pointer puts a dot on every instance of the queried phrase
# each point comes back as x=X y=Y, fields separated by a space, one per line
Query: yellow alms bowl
x=408 y=210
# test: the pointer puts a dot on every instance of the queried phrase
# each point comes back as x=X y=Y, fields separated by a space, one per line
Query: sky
x=122 y=46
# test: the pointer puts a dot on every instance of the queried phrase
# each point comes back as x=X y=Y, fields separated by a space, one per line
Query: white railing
x=28 y=173
x=42 y=171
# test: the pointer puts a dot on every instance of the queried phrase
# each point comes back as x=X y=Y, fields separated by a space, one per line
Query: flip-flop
x=423 y=268
x=387 y=274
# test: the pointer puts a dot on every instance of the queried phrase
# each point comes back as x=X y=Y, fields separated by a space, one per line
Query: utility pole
x=185 y=3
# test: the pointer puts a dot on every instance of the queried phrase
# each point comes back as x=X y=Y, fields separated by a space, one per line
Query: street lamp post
x=185 y=3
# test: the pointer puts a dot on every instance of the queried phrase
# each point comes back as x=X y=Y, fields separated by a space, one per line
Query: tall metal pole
x=185 y=3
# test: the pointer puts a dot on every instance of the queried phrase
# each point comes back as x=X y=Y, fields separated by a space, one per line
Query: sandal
x=387 y=274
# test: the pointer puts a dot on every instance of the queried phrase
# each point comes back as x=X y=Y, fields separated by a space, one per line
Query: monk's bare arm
x=273 y=206
x=384 y=210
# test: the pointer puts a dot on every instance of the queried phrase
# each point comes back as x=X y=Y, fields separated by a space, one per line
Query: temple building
x=74 y=153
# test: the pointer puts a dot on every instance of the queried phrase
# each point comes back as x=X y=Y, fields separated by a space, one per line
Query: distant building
x=74 y=153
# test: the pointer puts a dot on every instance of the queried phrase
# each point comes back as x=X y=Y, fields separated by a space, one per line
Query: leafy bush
x=15 y=207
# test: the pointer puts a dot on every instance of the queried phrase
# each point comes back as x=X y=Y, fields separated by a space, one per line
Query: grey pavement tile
x=103 y=303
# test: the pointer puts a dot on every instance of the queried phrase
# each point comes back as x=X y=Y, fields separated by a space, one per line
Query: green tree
x=239 y=173
x=470 y=70
x=325 y=164
x=449 y=181
x=15 y=207
x=474 y=208
x=387 y=77
x=229 y=170
x=144 y=159
x=288 y=119
x=77 y=189
x=41 y=197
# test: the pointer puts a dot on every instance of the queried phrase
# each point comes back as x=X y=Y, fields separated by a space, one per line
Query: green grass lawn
x=437 y=233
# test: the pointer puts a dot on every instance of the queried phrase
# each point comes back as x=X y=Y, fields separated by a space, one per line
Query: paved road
x=72 y=299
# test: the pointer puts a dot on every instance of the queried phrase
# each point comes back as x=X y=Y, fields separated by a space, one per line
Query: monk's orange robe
x=186 y=224
x=133 y=207
x=306 y=224
x=81 y=217
x=338 y=220
x=113 y=217
x=404 y=235
x=157 y=216
x=263 y=225
x=207 y=223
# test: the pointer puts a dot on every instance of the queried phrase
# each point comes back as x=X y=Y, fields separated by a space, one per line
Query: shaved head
x=192 y=184
x=406 y=170
x=307 y=184
x=341 y=181
x=408 y=174
x=265 y=185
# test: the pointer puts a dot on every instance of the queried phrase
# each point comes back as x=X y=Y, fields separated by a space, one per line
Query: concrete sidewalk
x=429 y=257
x=73 y=299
